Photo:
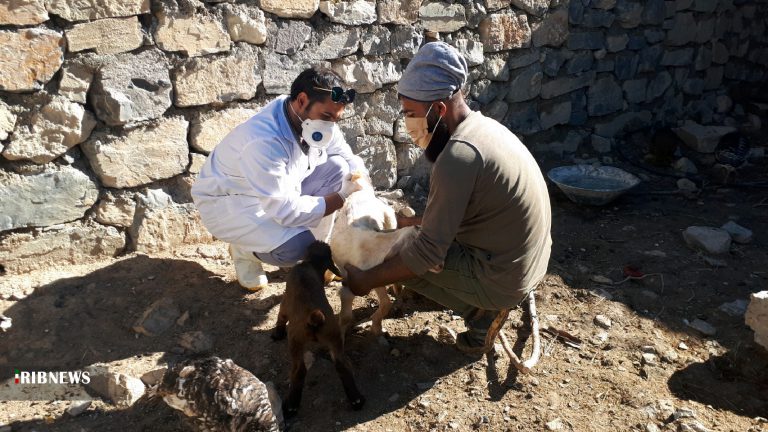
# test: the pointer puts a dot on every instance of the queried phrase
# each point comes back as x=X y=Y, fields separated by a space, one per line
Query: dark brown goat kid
x=309 y=318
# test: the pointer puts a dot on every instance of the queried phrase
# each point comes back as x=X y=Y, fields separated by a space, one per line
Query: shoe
x=473 y=340
x=250 y=273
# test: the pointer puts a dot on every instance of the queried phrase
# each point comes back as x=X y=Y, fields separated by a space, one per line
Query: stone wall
x=108 y=108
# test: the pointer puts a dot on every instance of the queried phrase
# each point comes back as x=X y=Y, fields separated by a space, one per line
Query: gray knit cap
x=435 y=72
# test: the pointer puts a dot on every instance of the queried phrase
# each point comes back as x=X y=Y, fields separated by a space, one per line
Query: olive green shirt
x=488 y=194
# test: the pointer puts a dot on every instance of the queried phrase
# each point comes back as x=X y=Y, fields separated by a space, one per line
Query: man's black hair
x=315 y=77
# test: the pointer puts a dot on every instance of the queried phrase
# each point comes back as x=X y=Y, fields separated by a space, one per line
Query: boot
x=250 y=273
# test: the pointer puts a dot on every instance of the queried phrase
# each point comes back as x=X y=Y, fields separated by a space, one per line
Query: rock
x=616 y=42
x=694 y=427
x=29 y=58
x=74 y=84
x=525 y=83
x=281 y=70
x=407 y=212
x=106 y=36
x=132 y=88
x=560 y=86
x=355 y=12
x=738 y=233
x=403 y=12
x=71 y=244
x=153 y=376
x=291 y=8
x=582 y=61
x=625 y=122
x=604 y=97
x=380 y=158
x=586 y=40
x=703 y=139
x=682 y=31
x=756 y=317
x=496 y=69
x=683 y=413
x=626 y=64
x=49 y=131
x=202 y=81
x=210 y=128
x=191 y=31
x=335 y=45
x=500 y=32
x=602 y=321
x=554 y=113
x=678 y=57
x=115 y=210
x=406 y=41
x=471 y=50
x=442 y=17
x=686 y=166
x=628 y=13
x=23 y=12
x=708 y=239
x=54 y=196
x=290 y=36
x=84 y=10
x=7 y=121
x=650 y=427
x=735 y=308
x=601 y=144
x=555 y=425
x=446 y=335
x=135 y=159
x=78 y=407
x=658 y=85
x=156 y=230
x=595 y=18
x=552 y=30
x=686 y=185
x=649 y=359
x=246 y=24
x=122 y=390
x=367 y=76
x=703 y=327
x=5 y=323
x=196 y=342
x=157 y=318
x=635 y=90
x=377 y=41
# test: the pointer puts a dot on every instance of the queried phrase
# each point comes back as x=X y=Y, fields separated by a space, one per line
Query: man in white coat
x=277 y=175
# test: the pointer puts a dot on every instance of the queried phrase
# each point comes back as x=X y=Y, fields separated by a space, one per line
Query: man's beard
x=440 y=138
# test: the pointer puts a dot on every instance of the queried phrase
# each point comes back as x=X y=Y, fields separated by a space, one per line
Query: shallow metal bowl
x=586 y=184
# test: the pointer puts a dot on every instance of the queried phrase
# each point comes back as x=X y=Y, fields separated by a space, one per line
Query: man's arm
x=406 y=221
x=390 y=271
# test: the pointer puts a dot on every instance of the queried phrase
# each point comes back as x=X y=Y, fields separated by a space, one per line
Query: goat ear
x=316 y=318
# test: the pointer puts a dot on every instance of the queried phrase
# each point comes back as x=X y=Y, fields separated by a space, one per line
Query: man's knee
x=327 y=178
x=290 y=252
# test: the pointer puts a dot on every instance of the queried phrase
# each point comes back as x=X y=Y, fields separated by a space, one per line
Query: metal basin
x=586 y=184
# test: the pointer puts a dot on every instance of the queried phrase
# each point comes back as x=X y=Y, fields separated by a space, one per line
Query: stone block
x=683 y=30
x=713 y=241
x=581 y=62
x=471 y=50
x=443 y=17
x=553 y=113
x=756 y=317
x=626 y=64
x=623 y=123
x=23 y=12
x=635 y=90
x=380 y=158
x=208 y=129
x=106 y=36
x=29 y=58
x=552 y=30
x=402 y=12
x=593 y=40
x=202 y=81
x=353 y=13
x=135 y=159
x=500 y=32
x=628 y=13
x=703 y=139
x=678 y=57
x=523 y=119
x=604 y=97
x=84 y=10
x=245 y=24
x=560 y=86
x=193 y=32
x=291 y=8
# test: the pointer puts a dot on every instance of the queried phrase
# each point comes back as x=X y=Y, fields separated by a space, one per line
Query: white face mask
x=316 y=133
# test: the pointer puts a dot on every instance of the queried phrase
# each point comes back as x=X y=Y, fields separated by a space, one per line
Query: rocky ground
x=633 y=360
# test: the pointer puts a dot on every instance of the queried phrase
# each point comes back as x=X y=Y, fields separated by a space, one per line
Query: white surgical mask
x=316 y=133
x=418 y=129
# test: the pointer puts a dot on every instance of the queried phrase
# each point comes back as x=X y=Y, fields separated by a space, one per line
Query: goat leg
x=385 y=304
x=531 y=362
x=346 y=317
x=344 y=369
x=298 y=373
x=280 y=332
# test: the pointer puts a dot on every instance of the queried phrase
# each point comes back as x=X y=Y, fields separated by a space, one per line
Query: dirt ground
x=77 y=316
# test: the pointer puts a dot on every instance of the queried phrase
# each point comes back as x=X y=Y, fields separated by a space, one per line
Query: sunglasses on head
x=339 y=95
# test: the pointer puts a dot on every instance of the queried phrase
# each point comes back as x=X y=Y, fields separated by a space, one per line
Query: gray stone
x=8 y=119
x=756 y=317
x=603 y=4
x=83 y=10
x=704 y=328
x=705 y=30
x=48 y=131
x=534 y=7
x=72 y=244
x=403 y=12
x=552 y=113
x=553 y=60
x=580 y=62
x=192 y=31
x=604 y=97
x=693 y=86
x=29 y=58
x=78 y=407
x=75 y=81
x=683 y=30
x=650 y=58
x=500 y=32
x=120 y=389
x=738 y=233
x=592 y=40
x=616 y=42
x=366 y=76
x=597 y=18
x=714 y=241
x=678 y=57
x=496 y=110
x=658 y=85
x=208 y=129
x=565 y=85
x=654 y=12
x=654 y=35
x=705 y=5
x=703 y=59
x=471 y=50
x=579 y=114
x=353 y=13
x=354 y=127
x=681 y=5
x=626 y=64
x=380 y=158
x=522 y=58
x=163 y=228
x=157 y=318
x=135 y=159
x=703 y=139
x=552 y=30
x=406 y=41
x=602 y=321
x=106 y=36
x=407 y=157
x=443 y=17
x=291 y=8
x=281 y=70
x=196 y=342
x=628 y=13
x=601 y=144
x=23 y=12
x=335 y=45
x=625 y=122
x=202 y=81
x=56 y=195
x=724 y=103
x=153 y=376
x=636 y=41
x=115 y=210
x=523 y=119
x=131 y=88
x=686 y=166
x=475 y=14
x=635 y=90
x=605 y=65
x=290 y=36
x=719 y=53
x=376 y=42
x=246 y=24
x=377 y=126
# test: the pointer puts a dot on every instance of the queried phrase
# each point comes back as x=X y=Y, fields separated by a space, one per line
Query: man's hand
x=349 y=186
x=406 y=221
x=356 y=280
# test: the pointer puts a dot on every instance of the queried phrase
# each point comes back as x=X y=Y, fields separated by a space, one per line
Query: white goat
x=363 y=233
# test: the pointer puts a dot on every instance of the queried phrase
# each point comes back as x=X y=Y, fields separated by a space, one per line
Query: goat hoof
x=358 y=403
x=289 y=410
x=279 y=334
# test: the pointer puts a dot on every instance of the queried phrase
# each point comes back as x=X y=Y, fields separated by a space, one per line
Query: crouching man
x=277 y=175
x=485 y=239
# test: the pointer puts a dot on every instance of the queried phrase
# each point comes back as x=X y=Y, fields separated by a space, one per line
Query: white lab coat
x=249 y=189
